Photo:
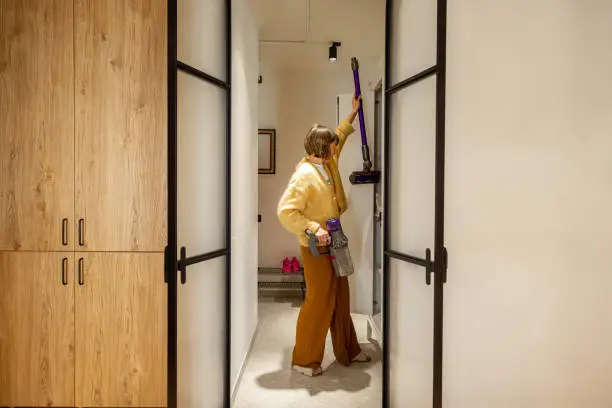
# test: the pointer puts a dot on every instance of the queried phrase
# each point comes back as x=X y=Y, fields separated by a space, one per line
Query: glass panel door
x=198 y=253
x=414 y=266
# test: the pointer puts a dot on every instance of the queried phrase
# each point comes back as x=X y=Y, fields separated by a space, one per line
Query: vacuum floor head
x=364 y=177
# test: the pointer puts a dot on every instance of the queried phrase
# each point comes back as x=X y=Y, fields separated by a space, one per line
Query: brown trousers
x=327 y=307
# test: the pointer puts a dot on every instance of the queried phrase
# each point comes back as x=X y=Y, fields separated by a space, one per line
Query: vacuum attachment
x=367 y=175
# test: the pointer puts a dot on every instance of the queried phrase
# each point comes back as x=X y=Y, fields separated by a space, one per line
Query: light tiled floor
x=268 y=381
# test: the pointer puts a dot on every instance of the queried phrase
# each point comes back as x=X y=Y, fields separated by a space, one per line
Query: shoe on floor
x=307 y=371
x=295 y=265
x=362 y=358
x=286 y=266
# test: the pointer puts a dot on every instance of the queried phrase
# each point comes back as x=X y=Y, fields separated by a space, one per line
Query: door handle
x=65 y=231
x=182 y=266
x=429 y=268
x=81 y=271
x=444 y=264
x=81 y=232
x=377 y=208
x=65 y=271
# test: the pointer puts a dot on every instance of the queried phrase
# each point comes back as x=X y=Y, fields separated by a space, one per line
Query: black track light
x=333 y=51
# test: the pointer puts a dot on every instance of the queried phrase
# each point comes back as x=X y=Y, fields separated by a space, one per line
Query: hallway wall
x=244 y=182
x=358 y=220
x=529 y=191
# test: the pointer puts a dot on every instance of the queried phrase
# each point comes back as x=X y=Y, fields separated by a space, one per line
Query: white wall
x=358 y=221
x=244 y=183
x=529 y=191
x=291 y=100
x=268 y=118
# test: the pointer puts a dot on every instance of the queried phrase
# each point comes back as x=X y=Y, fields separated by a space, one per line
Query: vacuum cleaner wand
x=366 y=176
x=365 y=151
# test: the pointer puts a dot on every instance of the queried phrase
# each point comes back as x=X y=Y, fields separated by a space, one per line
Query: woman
x=314 y=195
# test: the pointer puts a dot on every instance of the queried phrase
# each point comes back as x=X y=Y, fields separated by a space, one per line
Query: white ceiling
x=357 y=24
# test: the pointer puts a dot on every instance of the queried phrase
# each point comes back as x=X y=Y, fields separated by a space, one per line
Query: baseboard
x=243 y=365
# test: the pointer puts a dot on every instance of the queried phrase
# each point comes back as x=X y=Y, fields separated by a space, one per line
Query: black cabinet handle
x=81 y=232
x=81 y=271
x=65 y=271
x=65 y=231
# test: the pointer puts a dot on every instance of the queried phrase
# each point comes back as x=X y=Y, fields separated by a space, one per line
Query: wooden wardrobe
x=82 y=203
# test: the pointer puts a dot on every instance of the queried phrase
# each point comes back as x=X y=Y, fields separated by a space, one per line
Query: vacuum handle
x=312 y=244
x=362 y=128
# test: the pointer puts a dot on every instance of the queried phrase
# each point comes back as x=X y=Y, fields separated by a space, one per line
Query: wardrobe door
x=121 y=127
x=121 y=330
x=36 y=329
x=36 y=125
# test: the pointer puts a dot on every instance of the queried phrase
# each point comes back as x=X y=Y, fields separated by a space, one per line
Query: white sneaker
x=362 y=358
x=307 y=371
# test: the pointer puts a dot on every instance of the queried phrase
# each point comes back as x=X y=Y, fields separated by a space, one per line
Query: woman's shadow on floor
x=336 y=377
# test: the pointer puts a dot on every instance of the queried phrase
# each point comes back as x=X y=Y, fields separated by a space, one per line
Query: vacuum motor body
x=339 y=252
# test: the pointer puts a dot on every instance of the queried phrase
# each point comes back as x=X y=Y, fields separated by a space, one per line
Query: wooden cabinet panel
x=121 y=124
x=36 y=329
x=36 y=124
x=121 y=330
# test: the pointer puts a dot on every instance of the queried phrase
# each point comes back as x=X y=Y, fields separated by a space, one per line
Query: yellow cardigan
x=308 y=202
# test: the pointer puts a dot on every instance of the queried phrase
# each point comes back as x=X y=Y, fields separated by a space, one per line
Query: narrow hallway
x=267 y=380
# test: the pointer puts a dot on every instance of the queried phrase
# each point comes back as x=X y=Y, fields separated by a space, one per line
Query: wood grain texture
x=121 y=124
x=121 y=330
x=36 y=123
x=36 y=329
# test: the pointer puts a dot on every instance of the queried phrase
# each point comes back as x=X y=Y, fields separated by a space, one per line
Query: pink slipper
x=295 y=265
x=286 y=266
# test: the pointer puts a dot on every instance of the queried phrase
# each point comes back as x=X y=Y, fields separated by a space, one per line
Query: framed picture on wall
x=267 y=151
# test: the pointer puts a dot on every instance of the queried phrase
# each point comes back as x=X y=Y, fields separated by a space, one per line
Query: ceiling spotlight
x=333 y=51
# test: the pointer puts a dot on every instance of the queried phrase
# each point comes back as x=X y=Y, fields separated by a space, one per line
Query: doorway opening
x=305 y=77
x=302 y=54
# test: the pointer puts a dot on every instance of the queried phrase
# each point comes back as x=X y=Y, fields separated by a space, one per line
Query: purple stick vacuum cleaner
x=366 y=175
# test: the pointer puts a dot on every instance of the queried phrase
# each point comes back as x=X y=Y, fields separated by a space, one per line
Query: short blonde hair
x=317 y=141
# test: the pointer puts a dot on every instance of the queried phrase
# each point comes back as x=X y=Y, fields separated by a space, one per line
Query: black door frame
x=439 y=263
x=376 y=224
x=175 y=263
